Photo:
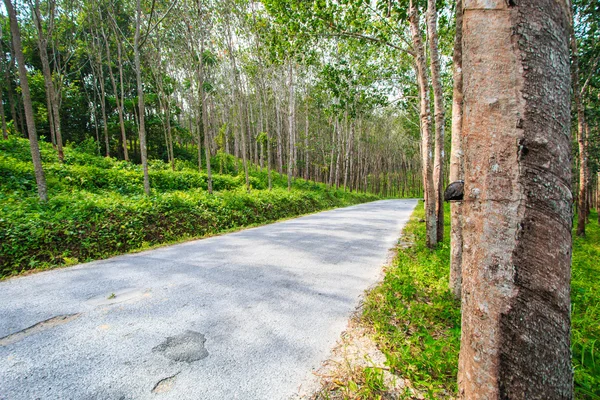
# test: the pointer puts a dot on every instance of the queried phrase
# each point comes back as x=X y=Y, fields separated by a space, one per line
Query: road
x=246 y=315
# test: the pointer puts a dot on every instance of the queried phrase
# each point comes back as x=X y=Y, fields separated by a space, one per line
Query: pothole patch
x=187 y=347
x=39 y=327
x=165 y=385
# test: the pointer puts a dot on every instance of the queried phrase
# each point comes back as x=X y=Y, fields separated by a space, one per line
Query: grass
x=416 y=321
x=415 y=317
x=585 y=315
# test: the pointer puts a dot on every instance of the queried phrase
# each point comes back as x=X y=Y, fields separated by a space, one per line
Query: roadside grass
x=415 y=318
x=585 y=315
x=416 y=321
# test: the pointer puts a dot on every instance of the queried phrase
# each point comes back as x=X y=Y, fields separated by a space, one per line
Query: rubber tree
x=425 y=116
x=438 y=111
x=27 y=104
x=515 y=341
x=456 y=158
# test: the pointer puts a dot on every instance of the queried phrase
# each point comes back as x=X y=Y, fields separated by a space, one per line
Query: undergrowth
x=97 y=206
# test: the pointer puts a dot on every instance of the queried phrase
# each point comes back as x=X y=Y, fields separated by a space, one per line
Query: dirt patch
x=357 y=369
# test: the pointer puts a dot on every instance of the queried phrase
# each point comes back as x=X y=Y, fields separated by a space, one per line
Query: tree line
x=186 y=80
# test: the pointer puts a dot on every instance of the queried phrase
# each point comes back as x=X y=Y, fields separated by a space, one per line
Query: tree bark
x=515 y=341
x=438 y=106
x=425 y=115
x=456 y=158
x=31 y=131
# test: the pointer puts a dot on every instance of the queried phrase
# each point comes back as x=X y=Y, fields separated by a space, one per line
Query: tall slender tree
x=27 y=104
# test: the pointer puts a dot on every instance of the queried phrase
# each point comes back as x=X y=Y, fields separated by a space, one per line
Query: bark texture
x=515 y=341
x=425 y=115
x=456 y=159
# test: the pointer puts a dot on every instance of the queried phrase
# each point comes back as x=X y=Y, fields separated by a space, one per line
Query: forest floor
x=413 y=319
x=243 y=315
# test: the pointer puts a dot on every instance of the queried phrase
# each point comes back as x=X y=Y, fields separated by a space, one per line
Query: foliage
x=97 y=208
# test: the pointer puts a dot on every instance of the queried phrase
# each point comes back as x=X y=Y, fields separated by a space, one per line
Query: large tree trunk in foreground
x=33 y=140
x=438 y=100
x=456 y=159
x=517 y=210
x=426 y=142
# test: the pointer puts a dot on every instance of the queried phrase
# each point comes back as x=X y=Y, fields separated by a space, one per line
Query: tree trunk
x=306 y=151
x=426 y=142
x=31 y=131
x=116 y=91
x=140 y=92
x=438 y=100
x=52 y=104
x=3 y=116
x=581 y=217
x=103 y=107
x=515 y=341
x=122 y=103
x=203 y=101
x=456 y=158
x=291 y=160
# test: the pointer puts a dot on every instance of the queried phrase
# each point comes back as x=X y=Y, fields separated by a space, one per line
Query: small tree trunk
x=291 y=160
x=581 y=217
x=40 y=178
x=116 y=91
x=140 y=92
x=515 y=341
x=456 y=159
x=203 y=101
x=306 y=151
x=426 y=142
x=2 y=116
x=438 y=99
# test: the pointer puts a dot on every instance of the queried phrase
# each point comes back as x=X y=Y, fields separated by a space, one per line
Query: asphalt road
x=246 y=315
